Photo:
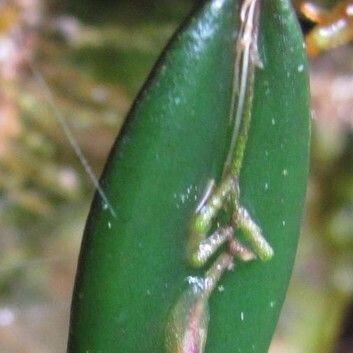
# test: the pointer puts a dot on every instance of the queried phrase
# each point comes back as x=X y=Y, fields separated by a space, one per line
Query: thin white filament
x=70 y=137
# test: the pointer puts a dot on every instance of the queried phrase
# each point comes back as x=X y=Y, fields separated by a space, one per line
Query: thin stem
x=244 y=73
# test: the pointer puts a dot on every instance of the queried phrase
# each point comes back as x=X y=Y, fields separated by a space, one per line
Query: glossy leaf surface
x=132 y=268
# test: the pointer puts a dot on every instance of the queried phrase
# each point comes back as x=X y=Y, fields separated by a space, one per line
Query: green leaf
x=132 y=268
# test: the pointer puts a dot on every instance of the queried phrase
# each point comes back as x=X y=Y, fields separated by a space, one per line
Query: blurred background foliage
x=94 y=56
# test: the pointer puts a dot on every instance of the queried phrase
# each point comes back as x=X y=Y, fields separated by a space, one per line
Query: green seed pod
x=186 y=329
